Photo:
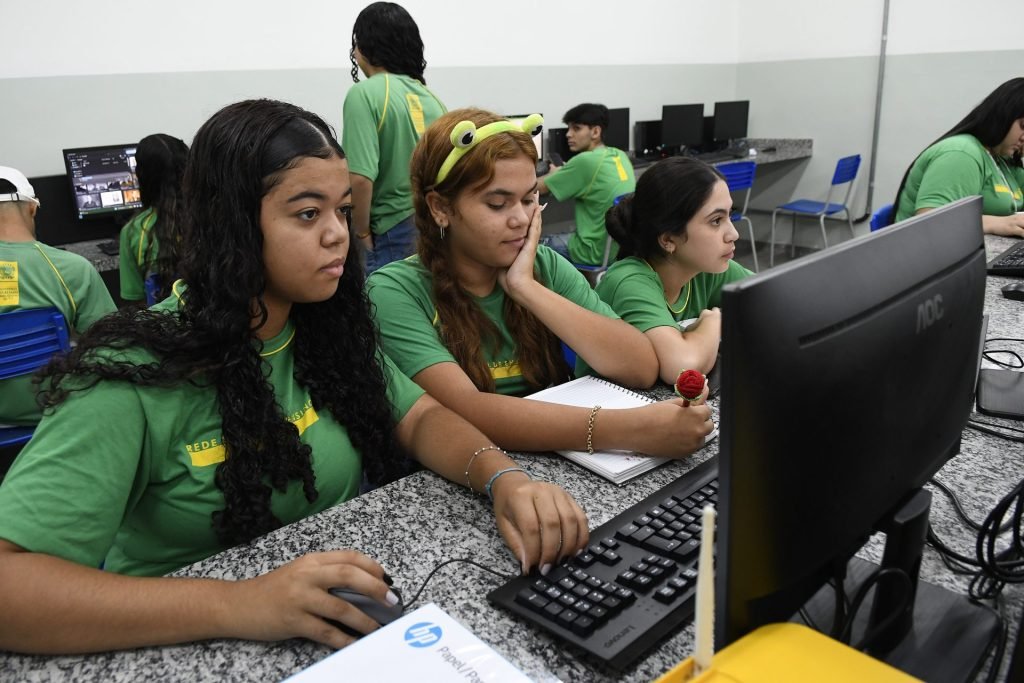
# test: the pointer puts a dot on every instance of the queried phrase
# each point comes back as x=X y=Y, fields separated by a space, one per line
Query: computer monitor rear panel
x=847 y=378
x=730 y=120
x=617 y=134
x=682 y=125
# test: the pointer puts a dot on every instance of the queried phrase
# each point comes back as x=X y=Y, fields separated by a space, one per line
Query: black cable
x=504 y=577
x=861 y=594
x=990 y=357
x=956 y=504
x=908 y=591
x=986 y=428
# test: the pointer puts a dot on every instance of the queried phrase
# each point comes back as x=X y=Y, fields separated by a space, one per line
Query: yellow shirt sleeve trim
x=146 y=225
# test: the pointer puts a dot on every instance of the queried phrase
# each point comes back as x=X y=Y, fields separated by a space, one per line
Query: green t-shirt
x=594 y=179
x=382 y=120
x=125 y=474
x=959 y=167
x=633 y=289
x=34 y=275
x=407 y=318
x=139 y=250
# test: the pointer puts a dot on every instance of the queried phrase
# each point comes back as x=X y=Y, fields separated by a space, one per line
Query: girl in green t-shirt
x=477 y=319
x=981 y=155
x=151 y=241
x=676 y=244
x=257 y=394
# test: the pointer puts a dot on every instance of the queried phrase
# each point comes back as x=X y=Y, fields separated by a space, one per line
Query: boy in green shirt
x=594 y=178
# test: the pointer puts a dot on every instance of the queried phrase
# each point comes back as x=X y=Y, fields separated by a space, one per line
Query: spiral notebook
x=587 y=392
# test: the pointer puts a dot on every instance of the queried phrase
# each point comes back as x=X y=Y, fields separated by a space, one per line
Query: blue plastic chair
x=152 y=287
x=739 y=176
x=28 y=339
x=883 y=217
x=845 y=174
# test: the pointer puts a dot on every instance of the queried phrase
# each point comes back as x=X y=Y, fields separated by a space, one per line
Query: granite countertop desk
x=416 y=523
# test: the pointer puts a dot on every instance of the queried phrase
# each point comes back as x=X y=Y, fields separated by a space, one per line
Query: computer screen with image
x=103 y=179
x=847 y=379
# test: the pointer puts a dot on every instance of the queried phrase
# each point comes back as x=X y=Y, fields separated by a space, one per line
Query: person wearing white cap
x=35 y=275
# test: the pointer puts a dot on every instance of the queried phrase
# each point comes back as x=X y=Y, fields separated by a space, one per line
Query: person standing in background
x=383 y=118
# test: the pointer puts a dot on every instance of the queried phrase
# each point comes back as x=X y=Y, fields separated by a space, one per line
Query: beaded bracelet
x=478 y=451
x=590 y=429
x=490 y=482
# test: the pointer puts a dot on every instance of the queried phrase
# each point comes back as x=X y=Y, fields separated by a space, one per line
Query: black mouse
x=1014 y=290
x=380 y=612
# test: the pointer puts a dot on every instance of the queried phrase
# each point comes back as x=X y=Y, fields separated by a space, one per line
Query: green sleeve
x=359 y=132
x=732 y=274
x=404 y=315
x=562 y=277
x=71 y=486
x=132 y=277
x=639 y=299
x=402 y=391
x=572 y=178
x=950 y=176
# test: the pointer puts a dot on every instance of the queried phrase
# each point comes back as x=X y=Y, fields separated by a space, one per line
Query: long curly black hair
x=161 y=164
x=388 y=37
x=237 y=157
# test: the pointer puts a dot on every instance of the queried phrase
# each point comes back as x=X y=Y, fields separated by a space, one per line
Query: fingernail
x=545 y=569
x=522 y=563
x=543 y=206
x=391 y=598
x=388 y=580
x=579 y=552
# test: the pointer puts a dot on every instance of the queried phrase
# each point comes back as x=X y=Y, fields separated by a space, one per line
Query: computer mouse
x=380 y=612
x=1014 y=290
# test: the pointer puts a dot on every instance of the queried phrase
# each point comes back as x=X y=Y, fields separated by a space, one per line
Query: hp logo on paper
x=423 y=634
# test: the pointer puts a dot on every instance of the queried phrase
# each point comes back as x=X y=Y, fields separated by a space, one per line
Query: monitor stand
x=948 y=637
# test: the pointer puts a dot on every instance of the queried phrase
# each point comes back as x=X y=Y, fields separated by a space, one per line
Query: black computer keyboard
x=1010 y=262
x=635 y=583
x=110 y=248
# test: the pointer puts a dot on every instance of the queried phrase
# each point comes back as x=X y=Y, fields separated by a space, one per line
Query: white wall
x=108 y=37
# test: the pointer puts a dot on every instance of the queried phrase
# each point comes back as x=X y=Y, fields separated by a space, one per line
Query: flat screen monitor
x=103 y=179
x=647 y=135
x=730 y=120
x=538 y=139
x=847 y=377
x=682 y=125
x=617 y=134
x=559 y=144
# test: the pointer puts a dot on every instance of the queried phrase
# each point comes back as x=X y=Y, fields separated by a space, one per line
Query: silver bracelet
x=497 y=474
x=469 y=464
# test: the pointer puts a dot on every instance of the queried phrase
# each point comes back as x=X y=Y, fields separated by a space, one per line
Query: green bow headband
x=465 y=136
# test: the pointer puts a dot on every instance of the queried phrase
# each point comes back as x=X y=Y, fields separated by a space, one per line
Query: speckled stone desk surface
x=93 y=255
x=413 y=525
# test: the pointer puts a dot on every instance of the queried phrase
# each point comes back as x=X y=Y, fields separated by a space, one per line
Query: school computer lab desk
x=559 y=216
x=414 y=524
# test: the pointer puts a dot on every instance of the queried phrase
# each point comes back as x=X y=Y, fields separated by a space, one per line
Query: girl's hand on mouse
x=540 y=522
x=292 y=601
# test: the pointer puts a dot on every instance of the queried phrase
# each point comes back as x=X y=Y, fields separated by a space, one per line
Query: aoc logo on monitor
x=423 y=634
x=929 y=312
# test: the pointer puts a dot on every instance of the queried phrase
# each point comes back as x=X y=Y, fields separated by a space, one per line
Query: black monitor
x=682 y=125
x=730 y=120
x=847 y=378
x=617 y=134
x=103 y=180
x=559 y=144
x=647 y=136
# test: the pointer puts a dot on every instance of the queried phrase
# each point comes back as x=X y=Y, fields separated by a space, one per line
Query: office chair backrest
x=152 y=286
x=846 y=169
x=738 y=175
x=29 y=338
x=882 y=218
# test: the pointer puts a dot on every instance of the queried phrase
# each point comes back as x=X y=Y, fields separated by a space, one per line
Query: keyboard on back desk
x=1010 y=262
x=636 y=581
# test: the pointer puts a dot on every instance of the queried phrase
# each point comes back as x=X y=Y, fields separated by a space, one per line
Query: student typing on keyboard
x=979 y=155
